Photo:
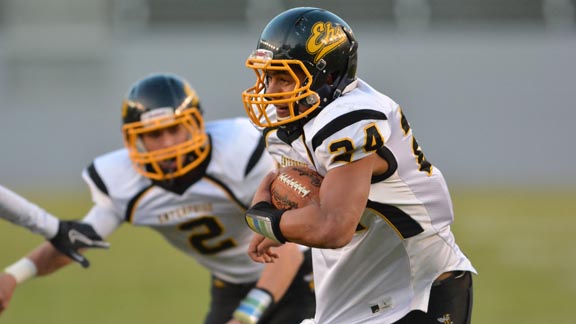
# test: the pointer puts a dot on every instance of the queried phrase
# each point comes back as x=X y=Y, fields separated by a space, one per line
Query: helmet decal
x=324 y=38
x=191 y=100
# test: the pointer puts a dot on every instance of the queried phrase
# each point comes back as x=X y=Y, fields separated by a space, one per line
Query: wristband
x=22 y=270
x=253 y=306
x=263 y=218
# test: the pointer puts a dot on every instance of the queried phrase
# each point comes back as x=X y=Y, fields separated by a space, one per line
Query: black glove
x=73 y=235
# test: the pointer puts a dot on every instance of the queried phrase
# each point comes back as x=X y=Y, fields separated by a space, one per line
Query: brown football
x=295 y=187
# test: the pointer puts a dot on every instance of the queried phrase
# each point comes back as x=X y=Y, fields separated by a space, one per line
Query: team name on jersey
x=184 y=211
x=286 y=161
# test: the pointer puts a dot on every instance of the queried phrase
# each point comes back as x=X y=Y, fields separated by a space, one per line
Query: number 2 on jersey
x=423 y=164
x=206 y=228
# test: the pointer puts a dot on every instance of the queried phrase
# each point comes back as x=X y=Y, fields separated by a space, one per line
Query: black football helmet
x=313 y=40
x=161 y=101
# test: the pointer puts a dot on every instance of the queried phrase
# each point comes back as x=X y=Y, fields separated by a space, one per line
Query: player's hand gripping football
x=72 y=236
x=290 y=187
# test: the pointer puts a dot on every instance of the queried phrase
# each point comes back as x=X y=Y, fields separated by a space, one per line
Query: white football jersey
x=403 y=242
x=20 y=211
x=207 y=220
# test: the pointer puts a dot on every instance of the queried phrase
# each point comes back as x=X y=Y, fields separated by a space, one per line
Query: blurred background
x=487 y=85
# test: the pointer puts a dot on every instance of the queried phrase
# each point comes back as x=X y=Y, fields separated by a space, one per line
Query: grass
x=523 y=244
x=140 y=279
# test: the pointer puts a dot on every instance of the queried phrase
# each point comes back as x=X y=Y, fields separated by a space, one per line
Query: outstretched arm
x=66 y=236
x=45 y=259
x=72 y=237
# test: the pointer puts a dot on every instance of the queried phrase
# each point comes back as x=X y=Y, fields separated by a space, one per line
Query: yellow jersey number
x=344 y=148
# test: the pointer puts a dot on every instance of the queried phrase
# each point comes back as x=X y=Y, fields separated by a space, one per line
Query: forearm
x=332 y=222
x=42 y=261
x=47 y=259
x=316 y=227
x=329 y=223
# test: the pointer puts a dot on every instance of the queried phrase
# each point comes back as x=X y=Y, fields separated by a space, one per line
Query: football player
x=192 y=181
x=383 y=251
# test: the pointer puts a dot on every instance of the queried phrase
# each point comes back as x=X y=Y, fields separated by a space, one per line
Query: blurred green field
x=523 y=243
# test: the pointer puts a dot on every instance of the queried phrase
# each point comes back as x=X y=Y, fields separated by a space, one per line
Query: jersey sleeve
x=18 y=210
x=102 y=216
x=351 y=137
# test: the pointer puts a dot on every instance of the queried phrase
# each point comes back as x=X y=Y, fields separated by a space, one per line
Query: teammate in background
x=383 y=251
x=66 y=236
x=192 y=183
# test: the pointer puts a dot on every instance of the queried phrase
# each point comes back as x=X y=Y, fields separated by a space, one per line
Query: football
x=295 y=187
